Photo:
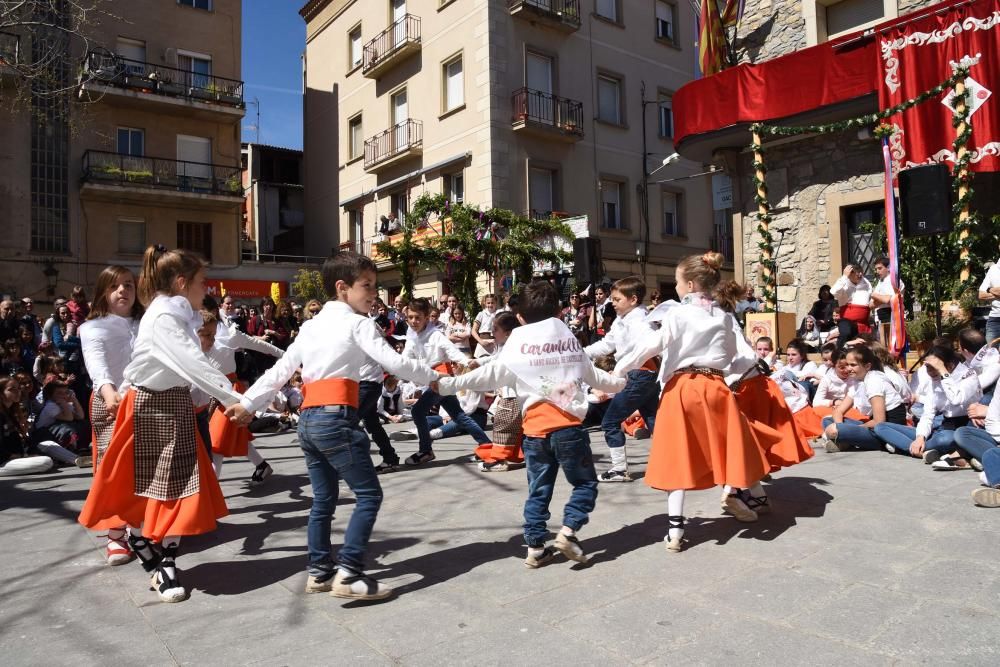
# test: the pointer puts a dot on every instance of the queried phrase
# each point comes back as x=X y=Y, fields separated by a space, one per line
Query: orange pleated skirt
x=702 y=439
x=633 y=424
x=809 y=422
x=112 y=501
x=228 y=439
x=491 y=452
x=761 y=401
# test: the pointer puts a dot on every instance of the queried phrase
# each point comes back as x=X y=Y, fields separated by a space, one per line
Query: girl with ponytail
x=156 y=476
x=701 y=438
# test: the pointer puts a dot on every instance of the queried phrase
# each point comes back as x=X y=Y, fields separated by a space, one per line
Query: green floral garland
x=962 y=177
x=764 y=218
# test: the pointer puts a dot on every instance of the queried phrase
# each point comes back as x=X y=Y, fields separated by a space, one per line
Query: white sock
x=145 y=553
x=567 y=531
x=217 y=460
x=618 y=458
x=255 y=458
x=115 y=534
x=536 y=551
x=675 y=507
x=727 y=489
x=757 y=491
x=436 y=434
x=168 y=565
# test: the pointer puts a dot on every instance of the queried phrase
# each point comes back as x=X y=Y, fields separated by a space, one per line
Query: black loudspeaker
x=587 y=260
x=925 y=198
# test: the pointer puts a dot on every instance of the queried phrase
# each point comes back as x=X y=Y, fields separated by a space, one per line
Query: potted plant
x=207 y=93
x=921 y=331
x=229 y=95
x=234 y=184
x=167 y=86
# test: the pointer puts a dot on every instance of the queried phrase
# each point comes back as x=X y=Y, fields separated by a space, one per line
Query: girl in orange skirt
x=508 y=433
x=156 y=476
x=227 y=438
x=107 y=338
x=701 y=438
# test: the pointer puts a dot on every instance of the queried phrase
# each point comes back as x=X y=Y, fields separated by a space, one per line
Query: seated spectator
x=953 y=387
x=982 y=358
x=809 y=333
x=20 y=453
x=459 y=331
x=836 y=385
x=390 y=225
x=10 y=354
x=390 y=405
x=62 y=418
x=823 y=309
x=435 y=320
x=765 y=350
x=8 y=320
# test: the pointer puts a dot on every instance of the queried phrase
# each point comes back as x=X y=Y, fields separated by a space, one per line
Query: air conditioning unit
x=170 y=57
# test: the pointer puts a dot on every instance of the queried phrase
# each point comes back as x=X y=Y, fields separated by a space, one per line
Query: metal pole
x=937 y=291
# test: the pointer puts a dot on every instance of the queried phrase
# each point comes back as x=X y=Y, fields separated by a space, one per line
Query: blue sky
x=274 y=36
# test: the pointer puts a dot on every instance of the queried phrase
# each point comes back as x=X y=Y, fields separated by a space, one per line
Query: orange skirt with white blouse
x=112 y=501
x=229 y=439
x=702 y=439
x=761 y=401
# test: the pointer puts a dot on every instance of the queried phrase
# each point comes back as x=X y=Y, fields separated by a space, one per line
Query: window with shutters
x=131 y=236
x=542 y=192
x=453 y=84
x=610 y=10
x=131 y=141
x=354 y=48
x=355 y=138
x=454 y=187
x=612 y=204
x=195 y=236
x=665 y=116
x=670 y=211
x=666 y=21
x=609 y=99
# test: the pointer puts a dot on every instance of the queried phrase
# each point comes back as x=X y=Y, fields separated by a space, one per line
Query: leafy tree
x=470 y=242
x=308 y=284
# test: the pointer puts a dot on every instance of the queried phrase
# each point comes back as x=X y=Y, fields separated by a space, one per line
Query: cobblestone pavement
x=866 y=559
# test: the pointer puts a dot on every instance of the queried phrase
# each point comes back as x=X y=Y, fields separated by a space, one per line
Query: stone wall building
x=823 y=189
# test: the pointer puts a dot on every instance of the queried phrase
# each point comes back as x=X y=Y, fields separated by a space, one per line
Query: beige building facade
x=539 y=106
x=150 y=154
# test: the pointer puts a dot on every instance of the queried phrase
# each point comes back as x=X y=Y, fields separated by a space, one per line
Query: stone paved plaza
x=867 y=559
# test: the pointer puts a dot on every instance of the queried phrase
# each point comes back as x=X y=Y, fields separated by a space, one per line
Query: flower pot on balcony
x=202 y=94
x=229 y=97
x=138 y=82
x=171 y=88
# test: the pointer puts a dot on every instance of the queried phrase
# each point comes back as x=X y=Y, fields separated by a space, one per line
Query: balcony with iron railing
x=391 y=46
x=400 y=142
x=561 y=15
x=545 y=115
x=116 y=73
x=249 y=255
x=421 y=236
x=159 y=179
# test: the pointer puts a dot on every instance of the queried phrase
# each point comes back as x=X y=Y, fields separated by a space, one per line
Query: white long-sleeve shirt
x=832 y=388
x=229 y=340
x=432 y=347
x=949 y=397
x=530 y=391
x=336 y=343
x=690 y=335
x=623 y=335
x=107 y=348
x=986 y=364
x=847 y=292
x=168 y=353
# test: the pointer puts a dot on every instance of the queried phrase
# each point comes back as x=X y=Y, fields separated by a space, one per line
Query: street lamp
x=670 y=159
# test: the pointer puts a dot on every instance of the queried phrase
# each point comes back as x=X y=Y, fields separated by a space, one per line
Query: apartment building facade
x=274 y=208
x=539 y=106
x=150 y=153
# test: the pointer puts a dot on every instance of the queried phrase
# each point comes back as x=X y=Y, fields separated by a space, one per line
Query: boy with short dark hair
x=430 y=346
x=642 y=391
x=332 y=347
x=547 y=367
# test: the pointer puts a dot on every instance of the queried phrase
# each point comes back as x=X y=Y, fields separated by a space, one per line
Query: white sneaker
x=569 y=546
x=169 y=590
x=614 y=476
x=436 y=434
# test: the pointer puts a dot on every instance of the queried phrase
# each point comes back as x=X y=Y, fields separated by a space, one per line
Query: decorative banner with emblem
x=916 y=56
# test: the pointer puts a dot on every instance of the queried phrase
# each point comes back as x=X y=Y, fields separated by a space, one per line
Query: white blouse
x=168 y=353
x=876 y=384
x=948 y=396
x=229 y=340
x=623 y=335
x=847 y=292
x=833 y=389
x=690 y=335
x=107 y=348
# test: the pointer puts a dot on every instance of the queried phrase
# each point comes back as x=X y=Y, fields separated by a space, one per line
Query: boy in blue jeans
x=332 y=348
x=642 y=391
x=547 y=367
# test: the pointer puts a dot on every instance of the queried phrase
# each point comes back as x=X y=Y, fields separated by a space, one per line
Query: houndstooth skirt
x=103 y=424
x=507 y=422
x=166 y=454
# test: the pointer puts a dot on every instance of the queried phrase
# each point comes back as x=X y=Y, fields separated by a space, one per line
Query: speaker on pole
x=587 y=260
x=925 y=198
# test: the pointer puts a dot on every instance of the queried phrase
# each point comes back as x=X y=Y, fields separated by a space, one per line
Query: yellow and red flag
x=712 y=39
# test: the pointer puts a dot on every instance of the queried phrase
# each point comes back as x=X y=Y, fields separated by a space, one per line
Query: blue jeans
x=974 y=442
x=336 y=448
x=369 y=394
x=569 y=449
x=452 y=429
x=992 y=329
x=450 y=405
x=900 y=436
x=991 y=466
x=642 y=393
x=851 y=432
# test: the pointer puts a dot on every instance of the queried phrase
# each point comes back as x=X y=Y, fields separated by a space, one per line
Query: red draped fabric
x=916 y=56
